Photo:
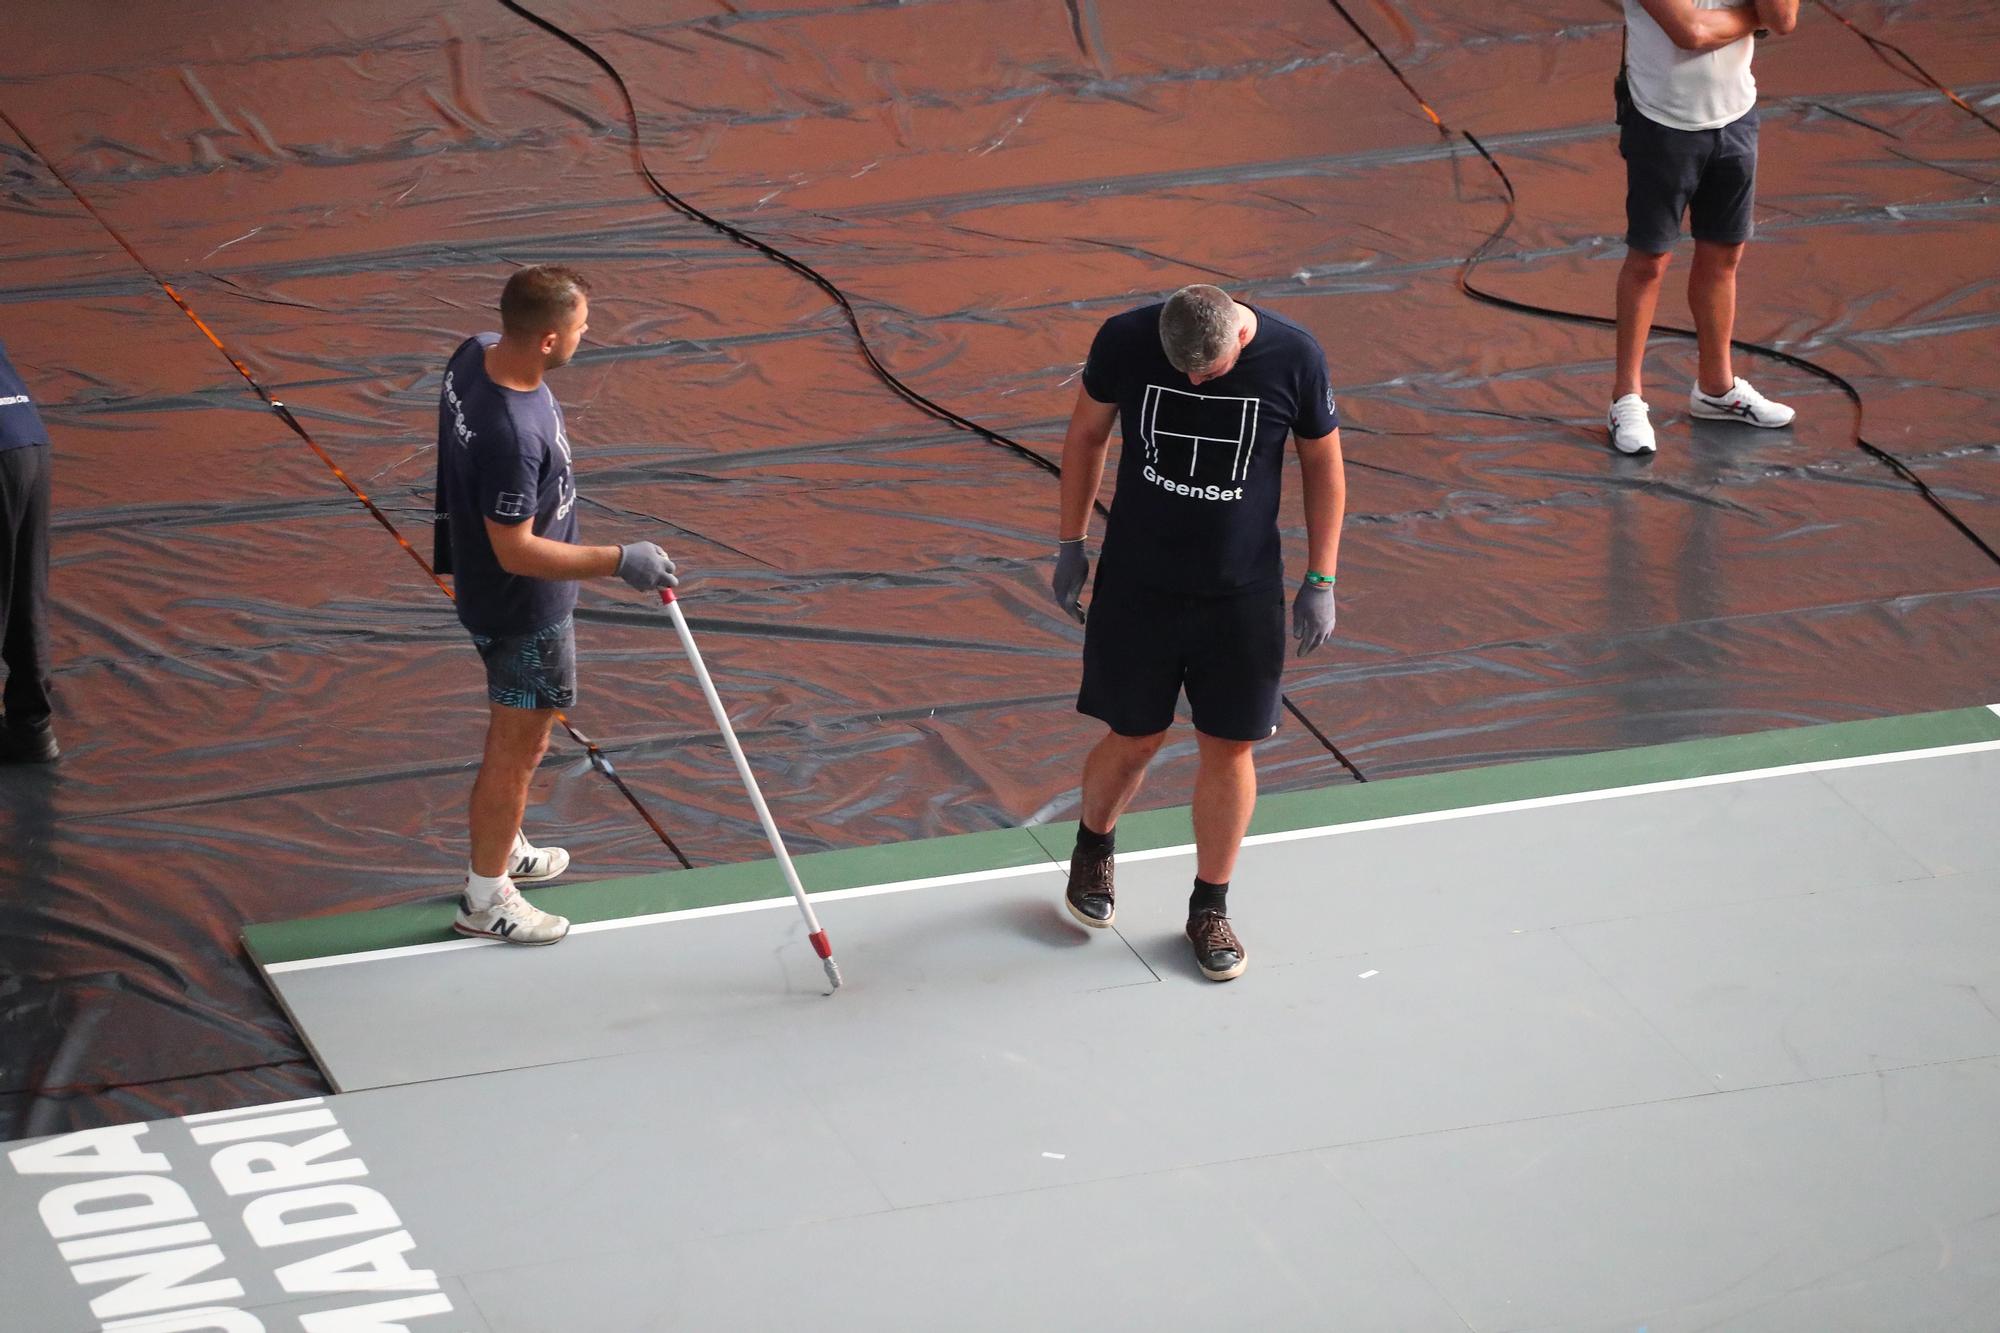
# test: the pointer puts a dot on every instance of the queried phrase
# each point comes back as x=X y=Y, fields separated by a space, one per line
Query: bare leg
x=1712 y=298
x=516 y=739
x=1112 y=774
x=1225 y=792
x=1639 y=282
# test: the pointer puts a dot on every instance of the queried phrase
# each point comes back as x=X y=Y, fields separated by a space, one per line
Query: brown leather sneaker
x=1089 y=896
x=1217 y=951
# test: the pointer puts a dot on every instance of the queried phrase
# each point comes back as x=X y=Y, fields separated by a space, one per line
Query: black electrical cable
x=838 y=297
x=1479 y=255
x=598 y=758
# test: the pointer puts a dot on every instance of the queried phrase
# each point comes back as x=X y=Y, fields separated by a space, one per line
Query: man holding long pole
x=507 y=509
x=1190 y=587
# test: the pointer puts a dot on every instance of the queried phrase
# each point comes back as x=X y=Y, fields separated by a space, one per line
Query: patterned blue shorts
x=531 y=670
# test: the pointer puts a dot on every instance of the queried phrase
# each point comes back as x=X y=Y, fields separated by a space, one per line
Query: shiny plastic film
x=848 y=258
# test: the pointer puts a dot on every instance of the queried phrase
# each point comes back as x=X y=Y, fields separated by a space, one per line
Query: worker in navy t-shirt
x=1190 y=588
x=24 y=573
x=507 y=508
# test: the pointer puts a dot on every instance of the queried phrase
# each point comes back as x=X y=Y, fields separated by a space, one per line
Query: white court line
x=684 y=914
x=1254 y=840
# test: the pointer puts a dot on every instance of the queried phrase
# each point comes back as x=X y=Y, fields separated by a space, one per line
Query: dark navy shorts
x=1141 y=648
x=535 y=670
x=1708 y=176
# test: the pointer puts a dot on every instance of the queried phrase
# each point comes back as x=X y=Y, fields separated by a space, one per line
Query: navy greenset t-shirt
x=20 y=425
x=1196 y=509
x=502 y=454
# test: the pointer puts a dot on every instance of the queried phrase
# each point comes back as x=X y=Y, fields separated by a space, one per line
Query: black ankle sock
x=1208 y=898
x=1093 y=843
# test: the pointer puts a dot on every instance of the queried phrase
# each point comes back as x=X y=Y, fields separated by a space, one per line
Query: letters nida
x=133 y=1238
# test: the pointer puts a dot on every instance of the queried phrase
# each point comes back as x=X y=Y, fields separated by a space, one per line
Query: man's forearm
x=545 y=559
x=1325 y=484
x=1780 y=16
x=1082 y=475
x=1693 y=29
x=1717 y=28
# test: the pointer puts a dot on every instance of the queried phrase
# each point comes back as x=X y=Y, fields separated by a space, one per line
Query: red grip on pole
x=820 y=946
x=667 y=596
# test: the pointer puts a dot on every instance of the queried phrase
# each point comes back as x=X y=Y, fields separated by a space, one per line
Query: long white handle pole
x=818 y=936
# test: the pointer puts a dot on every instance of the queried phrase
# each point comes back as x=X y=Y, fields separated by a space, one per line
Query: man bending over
x=1190 y=590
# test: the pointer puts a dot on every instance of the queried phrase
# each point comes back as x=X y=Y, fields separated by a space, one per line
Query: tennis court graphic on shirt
x=1196 y=437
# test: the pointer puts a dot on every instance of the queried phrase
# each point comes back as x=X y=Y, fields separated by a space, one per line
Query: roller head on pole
x=824 y=949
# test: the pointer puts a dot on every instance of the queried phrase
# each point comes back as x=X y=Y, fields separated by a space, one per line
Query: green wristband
x=1321 y=580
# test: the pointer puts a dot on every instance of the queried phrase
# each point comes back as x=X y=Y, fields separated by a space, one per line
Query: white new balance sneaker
x=530 y=864
x=1741 y=403
x=511 y=918
x=1631 y=429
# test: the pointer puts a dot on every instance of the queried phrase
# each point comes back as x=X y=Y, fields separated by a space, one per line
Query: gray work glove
x=1072 y=568
x=1312 y=616
x=646 y=567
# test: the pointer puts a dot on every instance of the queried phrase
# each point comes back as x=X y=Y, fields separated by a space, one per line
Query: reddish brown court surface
x=267 y=708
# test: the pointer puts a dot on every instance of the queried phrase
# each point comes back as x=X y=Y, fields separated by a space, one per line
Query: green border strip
x=972 y=853
x=1565 y=775
x=429 y=922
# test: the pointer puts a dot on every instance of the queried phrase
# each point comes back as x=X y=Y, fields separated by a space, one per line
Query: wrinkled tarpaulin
x=268 y=711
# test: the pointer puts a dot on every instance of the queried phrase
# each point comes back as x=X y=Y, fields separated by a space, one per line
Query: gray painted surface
x=1722 y=1058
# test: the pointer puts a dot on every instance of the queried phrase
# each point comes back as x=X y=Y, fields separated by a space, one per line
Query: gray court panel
x=1490 y=874
x=1752 y=1210
x=378 y=1023
x=1185 y=1073
x=1273 y=1244
x=1958 y=1291
x=552 y=1164
x=42 y=1295
x=1945 y=812
x=1818 y=985
x=664 y=986
x=73 y=1316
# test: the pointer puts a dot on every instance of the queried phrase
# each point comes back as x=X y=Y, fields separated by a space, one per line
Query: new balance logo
x=503 y=927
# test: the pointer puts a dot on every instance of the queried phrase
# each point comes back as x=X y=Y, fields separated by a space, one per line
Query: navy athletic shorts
x=1709 y=176
x=1141 y=648
x=535 y=670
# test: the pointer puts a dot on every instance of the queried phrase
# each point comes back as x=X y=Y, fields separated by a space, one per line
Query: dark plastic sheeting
x=269 y=712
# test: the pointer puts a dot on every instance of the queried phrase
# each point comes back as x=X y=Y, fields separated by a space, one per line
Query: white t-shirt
x=1688 y=90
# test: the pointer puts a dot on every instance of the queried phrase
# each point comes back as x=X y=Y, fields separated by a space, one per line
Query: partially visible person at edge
x=27 y=737
x=1190 y=587
x=1688 y=133
x=507 y=499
